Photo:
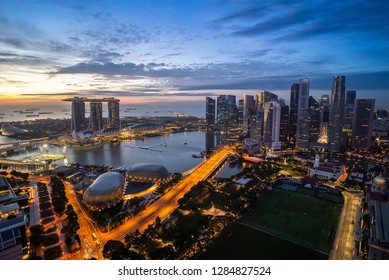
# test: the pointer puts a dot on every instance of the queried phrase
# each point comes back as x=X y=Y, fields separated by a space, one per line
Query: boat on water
x=45 y=113
x=32 y=109
x=32 y=115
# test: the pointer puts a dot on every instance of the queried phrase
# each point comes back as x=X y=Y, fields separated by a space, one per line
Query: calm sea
x=21 y=113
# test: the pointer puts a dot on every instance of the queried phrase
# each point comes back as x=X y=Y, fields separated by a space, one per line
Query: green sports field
x=298 y=217
x=281 y=225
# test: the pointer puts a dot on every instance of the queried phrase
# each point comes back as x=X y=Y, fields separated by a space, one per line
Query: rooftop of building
x=382 y=218
x=11 y=214
x=145 y=125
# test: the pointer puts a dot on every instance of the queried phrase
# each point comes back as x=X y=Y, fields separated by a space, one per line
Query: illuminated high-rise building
x=314 y=120
x=337 y=112
x=302 y=134
x=348 y=118
x=271 y=125
x=294 y=96
x=96 y=115
x=240 y=112
x=227 y=112
x=210 y=111
x=284 y=123
x=248 y=110
x=113 y=113
x=362 y=123
x=78 y=114
x=324 y=119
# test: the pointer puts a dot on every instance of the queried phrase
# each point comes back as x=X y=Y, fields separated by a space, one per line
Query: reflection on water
x=173 y=151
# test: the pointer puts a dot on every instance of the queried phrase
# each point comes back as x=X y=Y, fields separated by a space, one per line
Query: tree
x=73 y=224
x=36 y=236
x=114 y=250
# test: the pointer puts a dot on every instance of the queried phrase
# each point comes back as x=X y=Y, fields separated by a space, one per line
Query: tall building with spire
x=337 y=112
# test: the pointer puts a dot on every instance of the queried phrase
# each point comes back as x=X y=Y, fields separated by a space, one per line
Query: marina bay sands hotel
x=96 y=113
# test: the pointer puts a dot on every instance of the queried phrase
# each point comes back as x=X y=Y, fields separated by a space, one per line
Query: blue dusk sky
x=166 y=51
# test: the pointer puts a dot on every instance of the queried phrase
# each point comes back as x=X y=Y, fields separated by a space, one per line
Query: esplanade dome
x=106 y=191
x=148 y=172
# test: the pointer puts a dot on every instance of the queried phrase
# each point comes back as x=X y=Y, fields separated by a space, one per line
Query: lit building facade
x=284 y=123
x=272 y=118
x=248 y=110
x=324 y=119
x=294 y=95
x=337 y=113
x=210 y=108
x=227 y=112
x=78 y=115
x=362 y=123
x=113 y=113
x=96 y=116
x=314 y=120
x=302 y=135
x=348 y=118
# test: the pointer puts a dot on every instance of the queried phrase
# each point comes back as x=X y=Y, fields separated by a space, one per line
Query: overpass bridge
x=169 y=201
x=22 y=166
x=11 y=146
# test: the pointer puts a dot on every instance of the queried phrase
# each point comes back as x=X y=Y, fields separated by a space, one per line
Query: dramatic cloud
x=189 y=48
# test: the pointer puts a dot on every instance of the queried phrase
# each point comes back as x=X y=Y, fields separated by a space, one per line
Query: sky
x=181 y=51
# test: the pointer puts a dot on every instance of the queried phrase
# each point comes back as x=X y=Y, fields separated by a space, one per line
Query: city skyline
x=182 y=52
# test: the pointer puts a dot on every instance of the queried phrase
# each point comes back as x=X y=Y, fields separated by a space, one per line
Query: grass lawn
x=240 y=242
x=52 y=157
x=299 y=217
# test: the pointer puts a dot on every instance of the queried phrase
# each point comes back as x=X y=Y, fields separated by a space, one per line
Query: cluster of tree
x=72 y=221
x=36 y=235
x=116 y=250
x=195 y=196
x=71 y=228
x=58 y=195
x=23 y=176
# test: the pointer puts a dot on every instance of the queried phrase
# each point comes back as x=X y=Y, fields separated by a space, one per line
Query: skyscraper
x=266 y=96
x=78 y=114
x=271 y=125
x=362 y=123
x=337 y=112
x=96 y=115
x=248 y=110
x=240 y=112
x=348 y=119
x=324 y=119
x=314 y=120
x=284 y=123
x=294 y=96
x=302 y=135
x=210 y=111
x=113 y=113
x=227 y=112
